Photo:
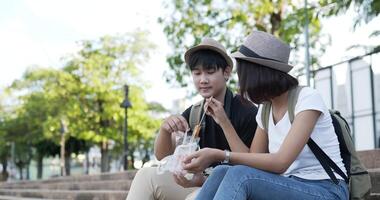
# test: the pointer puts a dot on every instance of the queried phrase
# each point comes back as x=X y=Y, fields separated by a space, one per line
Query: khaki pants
x=148 y=185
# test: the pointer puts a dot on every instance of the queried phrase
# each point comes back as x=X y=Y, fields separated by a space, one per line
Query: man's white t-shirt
x=306 y=164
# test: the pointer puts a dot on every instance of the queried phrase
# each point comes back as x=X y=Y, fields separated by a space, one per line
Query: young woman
x=279 y=164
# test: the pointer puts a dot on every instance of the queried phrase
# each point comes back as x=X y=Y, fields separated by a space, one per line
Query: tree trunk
x=4 y=173
x=131 y=159
x=68 y=163
x=27 y=171
x=86 y=170
x=21 y=174
x=104 y=157
x=62 y=155
x=146 y=157
x=40 y=162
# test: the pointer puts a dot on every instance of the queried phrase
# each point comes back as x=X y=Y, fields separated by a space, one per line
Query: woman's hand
x=200 y=160
x=197 y=180
x=215 y=109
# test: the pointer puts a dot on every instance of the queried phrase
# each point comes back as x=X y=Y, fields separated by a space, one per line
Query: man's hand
x=174 y=123
x=215 y=109
x=197 y=180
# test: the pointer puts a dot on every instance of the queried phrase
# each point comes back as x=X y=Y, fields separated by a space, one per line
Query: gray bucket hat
x=265 y=49
x=211 y=44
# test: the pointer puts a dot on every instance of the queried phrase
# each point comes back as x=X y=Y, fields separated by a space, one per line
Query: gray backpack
x=358 y=178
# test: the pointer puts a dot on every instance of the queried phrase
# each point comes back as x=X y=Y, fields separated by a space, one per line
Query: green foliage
x=366 y=10
x=4 y=146
x=187 y=22
x=81 y=100
x=101 y=68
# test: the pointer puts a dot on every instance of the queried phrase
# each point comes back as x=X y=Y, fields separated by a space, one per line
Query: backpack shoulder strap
x=327 y=163
x=292 y=101
x=195 y=114
x=265 y=112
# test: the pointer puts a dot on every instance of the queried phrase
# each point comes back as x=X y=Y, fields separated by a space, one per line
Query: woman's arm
x=259 y=142
x=278 y=162
x=293 y=144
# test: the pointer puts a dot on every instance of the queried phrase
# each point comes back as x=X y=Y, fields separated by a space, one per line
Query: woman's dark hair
x=262 y=83
x=208 y=59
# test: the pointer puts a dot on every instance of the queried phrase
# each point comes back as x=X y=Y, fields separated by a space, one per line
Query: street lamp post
x=62 y=162
x=125 y=104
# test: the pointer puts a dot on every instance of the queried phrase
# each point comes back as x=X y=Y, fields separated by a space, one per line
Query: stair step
x=126 y=175
x=66 y=194
x=83 y=185
x=370 y=158
x=374 y=196
x=375 y=179
x=19 y=198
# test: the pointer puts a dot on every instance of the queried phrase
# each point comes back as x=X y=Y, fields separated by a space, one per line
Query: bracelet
x=227 y=156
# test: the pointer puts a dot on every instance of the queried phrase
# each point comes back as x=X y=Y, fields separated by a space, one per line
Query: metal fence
x=353 y=88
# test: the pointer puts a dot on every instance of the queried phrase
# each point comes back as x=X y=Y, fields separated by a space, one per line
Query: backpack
x=358 y=178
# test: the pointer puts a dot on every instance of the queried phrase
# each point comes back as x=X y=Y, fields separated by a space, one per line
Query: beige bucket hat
x=211 y=44
x=265 y=49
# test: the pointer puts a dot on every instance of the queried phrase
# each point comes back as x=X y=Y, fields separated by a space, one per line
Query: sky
x=41 y=32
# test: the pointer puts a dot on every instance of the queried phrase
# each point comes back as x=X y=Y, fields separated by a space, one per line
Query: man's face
x=209 y=82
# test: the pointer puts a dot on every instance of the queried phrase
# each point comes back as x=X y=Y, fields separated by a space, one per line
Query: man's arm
x=216 y=110
x=164 y=144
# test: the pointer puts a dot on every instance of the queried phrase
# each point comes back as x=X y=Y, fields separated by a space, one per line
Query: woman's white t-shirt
x=306 y=164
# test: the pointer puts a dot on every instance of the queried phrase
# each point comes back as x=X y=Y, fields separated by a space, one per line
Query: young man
x=210 y=69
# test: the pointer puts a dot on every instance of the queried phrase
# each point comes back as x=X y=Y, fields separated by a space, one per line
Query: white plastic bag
x=173 y=163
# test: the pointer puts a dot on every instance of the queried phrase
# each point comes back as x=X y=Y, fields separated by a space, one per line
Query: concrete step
x=127 y=175
x=66 y=194
x=19 y=198
x=374 y=196
x=83 y=185
x=375 y=180
x=370 y=158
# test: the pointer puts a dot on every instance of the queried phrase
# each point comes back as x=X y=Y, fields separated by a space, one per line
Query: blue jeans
x=243 y=182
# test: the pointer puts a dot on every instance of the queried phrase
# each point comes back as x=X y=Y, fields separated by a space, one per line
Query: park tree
x=81 y=102
x=4 y=144
x=100 y=69
x=46 y=101
x=12 y=132
x=4 y=156
x=42 y=98
x=365 y=12
x=187 y=22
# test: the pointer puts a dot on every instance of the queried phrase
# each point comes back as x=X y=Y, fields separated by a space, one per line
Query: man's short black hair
x=262 y=83
x=208 y=59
